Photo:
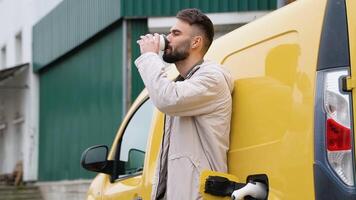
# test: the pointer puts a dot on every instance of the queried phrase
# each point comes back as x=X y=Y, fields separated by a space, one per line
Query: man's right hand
x=149 y=43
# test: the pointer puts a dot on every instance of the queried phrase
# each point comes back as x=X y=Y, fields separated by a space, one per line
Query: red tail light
x=338 y=133
x=338 y=137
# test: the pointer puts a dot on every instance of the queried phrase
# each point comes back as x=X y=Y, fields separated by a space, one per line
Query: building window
x=3 y=57
x=18 y=48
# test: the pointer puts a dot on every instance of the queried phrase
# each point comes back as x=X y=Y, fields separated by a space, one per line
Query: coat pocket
x=183 y=178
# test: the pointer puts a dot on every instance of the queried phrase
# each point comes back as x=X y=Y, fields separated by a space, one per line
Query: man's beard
x=180 y=53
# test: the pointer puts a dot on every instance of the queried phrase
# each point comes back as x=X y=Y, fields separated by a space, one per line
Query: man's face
x=179 y=38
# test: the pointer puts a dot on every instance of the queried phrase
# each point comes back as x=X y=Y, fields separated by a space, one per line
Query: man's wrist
x=143 y=57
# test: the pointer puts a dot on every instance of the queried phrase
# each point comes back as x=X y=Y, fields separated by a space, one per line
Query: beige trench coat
x=197 y=128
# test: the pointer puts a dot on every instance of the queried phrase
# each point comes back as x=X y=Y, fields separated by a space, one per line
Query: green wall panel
x=80 y=105
x=144 y=8
x=242 y=5
x=138 y=28
x=265 y=4
x=68 y=25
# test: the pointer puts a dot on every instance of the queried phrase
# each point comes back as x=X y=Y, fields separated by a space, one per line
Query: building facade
x=19 y=86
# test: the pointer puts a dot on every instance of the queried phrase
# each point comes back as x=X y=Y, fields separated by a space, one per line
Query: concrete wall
x=69 y=190
x=19 y=94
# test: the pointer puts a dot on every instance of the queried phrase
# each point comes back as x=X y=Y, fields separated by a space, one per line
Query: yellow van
x=292 y=121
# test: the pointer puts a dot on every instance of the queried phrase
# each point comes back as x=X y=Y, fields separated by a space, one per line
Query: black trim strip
x=334 y=42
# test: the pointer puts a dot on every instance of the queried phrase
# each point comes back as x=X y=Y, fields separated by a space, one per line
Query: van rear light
x=338 y=126
x=338 y=137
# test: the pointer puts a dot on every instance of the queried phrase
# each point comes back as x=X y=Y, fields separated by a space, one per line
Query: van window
x=134 y=140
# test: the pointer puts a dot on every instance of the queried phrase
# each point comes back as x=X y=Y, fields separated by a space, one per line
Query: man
x=197 y=106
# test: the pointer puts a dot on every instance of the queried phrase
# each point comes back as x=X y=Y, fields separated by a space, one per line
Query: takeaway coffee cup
x=163 y=42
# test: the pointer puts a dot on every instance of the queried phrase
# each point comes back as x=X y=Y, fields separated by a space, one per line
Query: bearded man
x=197 y=105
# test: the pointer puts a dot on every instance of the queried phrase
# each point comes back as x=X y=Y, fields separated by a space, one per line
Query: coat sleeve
x=194 y=96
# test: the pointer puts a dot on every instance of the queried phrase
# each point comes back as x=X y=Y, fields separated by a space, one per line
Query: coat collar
x=190 y=72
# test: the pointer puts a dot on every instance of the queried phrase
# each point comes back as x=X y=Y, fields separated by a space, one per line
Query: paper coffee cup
x=162 y=42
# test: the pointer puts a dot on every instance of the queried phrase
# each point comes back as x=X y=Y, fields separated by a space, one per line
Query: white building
x=19 y=86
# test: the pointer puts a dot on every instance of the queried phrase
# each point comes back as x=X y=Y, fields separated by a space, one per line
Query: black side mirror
x=95 y=159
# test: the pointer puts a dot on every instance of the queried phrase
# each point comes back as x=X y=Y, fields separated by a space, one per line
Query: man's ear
x=197 y=42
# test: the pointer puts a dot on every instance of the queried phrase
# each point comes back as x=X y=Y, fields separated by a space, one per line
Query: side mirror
x=95 y=159
x=135 y=161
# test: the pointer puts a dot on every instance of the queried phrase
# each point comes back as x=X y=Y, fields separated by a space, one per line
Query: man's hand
x=149 y=43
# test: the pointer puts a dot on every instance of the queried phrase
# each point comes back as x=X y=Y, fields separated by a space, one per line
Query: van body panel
x=273 y=61
x=281 y=21
x=123 y=189
x=96 y=187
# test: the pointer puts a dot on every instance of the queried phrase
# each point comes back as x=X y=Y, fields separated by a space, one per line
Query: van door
x=136 y=152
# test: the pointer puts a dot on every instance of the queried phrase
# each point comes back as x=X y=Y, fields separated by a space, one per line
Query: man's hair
x=195 y=17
